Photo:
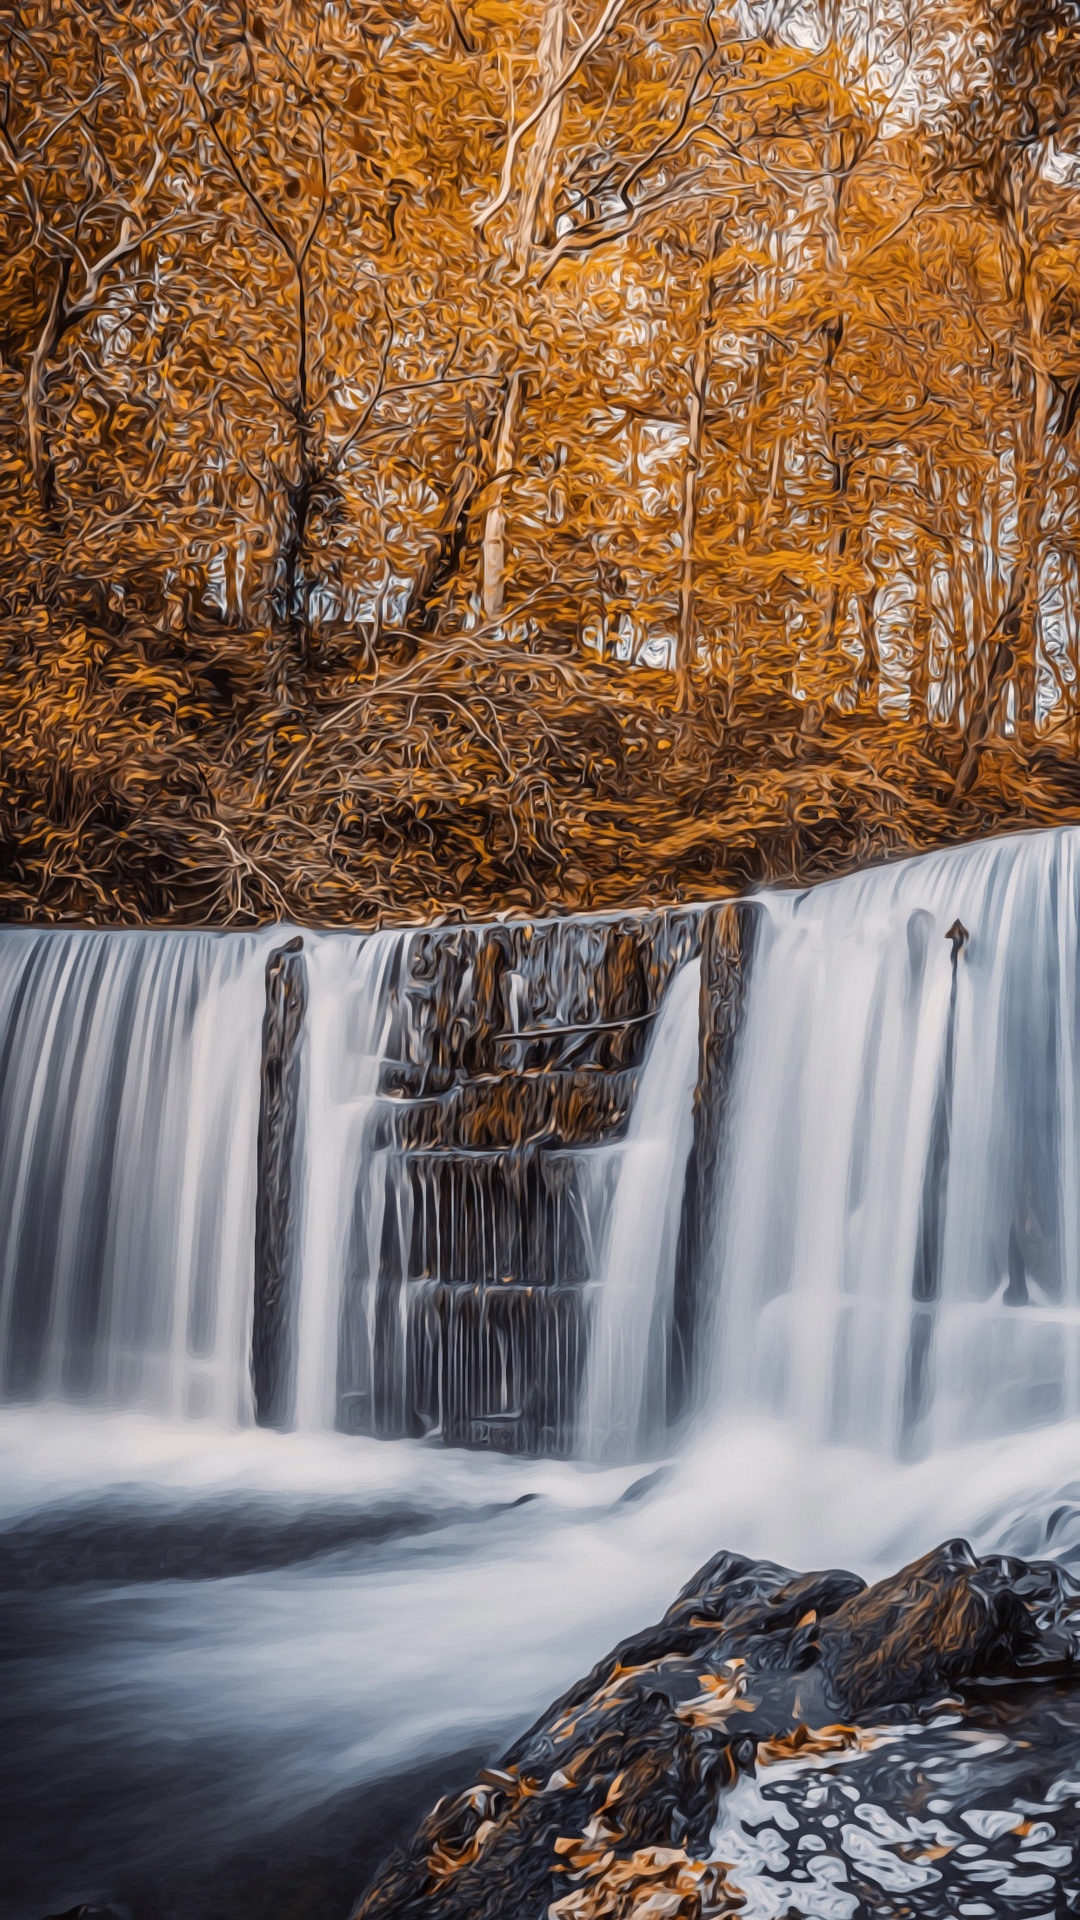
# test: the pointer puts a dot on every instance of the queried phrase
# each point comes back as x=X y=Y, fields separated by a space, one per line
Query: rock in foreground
x=605 y=1809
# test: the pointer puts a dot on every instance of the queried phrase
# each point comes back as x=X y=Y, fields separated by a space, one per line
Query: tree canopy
x=529 y=453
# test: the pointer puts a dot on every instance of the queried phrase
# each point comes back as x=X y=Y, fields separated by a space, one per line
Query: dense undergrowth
x=208 y=778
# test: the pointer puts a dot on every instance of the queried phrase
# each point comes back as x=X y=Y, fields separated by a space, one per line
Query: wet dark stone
x=944 y=1620
x=728 y=934
x=624 y=1775
x=513 y=1055
x=499 y=1366
x=272 y=1342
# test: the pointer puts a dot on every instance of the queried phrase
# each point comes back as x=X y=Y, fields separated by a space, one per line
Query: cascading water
x=437 y=1247
x=631 y=1321
x=510 y=1206
x=129 y=1103
x=898 y=1261
x=348 y=1019
x=129 y=1093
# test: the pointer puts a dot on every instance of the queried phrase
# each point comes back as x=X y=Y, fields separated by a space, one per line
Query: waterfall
x=334 y=1180
x=129 y=1093
x=129 y=1107
x=897 y=1265
x=495 y=1207
x=633 y=1307
x=347 y=1034
x=802 y=1168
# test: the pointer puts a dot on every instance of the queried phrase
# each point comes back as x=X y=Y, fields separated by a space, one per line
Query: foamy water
x=246 y=1623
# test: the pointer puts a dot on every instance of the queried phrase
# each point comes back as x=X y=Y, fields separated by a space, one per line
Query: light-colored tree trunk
x=537 y=189
x=826 y=675
x=533 y=204
x=1032 y=468
x=494 y=548
x=685 y=645
x=44 y=347
x=961 y=610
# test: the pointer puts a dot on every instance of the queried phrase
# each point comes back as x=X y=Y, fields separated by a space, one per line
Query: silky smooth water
x=633 y=1306
x=129 y=1104
x=346 y=1039
x=898 y=1264
x=129 y=1098
x=236 y=1662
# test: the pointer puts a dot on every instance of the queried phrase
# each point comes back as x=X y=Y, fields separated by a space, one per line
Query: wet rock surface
x=513 y=1056
x=969 y=1809
x=786 y=1745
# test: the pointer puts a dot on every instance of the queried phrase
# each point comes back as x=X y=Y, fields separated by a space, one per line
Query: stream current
x=238 y=1663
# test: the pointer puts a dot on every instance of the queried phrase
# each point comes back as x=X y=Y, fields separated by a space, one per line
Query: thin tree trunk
x=1001 y=664
x=46 y=345
x=823 y=650
x=301 y=494
x=533 y=212
x=494 y=548
x=832 y=334
x=1031 y=482
x=961 y=608
x=536 y=193
x=422 y=612
x=684 y=655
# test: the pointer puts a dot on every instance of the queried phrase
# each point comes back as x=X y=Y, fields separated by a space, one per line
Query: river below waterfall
x=229 y=1688
x=237 y=1663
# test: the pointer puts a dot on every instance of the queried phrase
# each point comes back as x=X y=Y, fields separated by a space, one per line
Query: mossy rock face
x=605 y=1808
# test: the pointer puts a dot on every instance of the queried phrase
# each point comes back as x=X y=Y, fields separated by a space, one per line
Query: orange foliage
x=531 y=452
x=655 y=1883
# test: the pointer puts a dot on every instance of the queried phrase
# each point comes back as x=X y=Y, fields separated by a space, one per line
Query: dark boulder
x=611 y=1797
x=946 y=1619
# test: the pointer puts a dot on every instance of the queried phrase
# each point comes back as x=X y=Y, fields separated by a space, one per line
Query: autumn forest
x=529 y=454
